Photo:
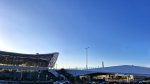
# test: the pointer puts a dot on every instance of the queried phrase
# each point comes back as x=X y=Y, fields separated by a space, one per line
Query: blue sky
x=117 y=31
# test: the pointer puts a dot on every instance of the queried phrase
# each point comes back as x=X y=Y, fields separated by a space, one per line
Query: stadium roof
x=28 y=60
x=124 y=69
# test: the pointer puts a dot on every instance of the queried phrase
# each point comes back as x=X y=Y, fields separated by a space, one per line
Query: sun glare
x=4 y=46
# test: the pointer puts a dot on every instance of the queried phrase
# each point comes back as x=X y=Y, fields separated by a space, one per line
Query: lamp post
x=56 y=66
x=86 y=49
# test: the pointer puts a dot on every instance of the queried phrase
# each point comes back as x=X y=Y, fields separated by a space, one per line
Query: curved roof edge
x=27 y=54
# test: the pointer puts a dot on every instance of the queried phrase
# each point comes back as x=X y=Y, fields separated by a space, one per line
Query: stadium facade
x=27 y=67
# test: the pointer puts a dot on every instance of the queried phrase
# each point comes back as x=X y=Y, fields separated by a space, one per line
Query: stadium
x=27 y=67
x=18 y=68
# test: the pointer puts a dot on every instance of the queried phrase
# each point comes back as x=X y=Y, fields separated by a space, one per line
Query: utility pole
x=102 y=64
x=56 y=66
x=86 y=49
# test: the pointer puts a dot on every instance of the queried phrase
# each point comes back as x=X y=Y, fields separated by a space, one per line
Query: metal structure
x=28 y=60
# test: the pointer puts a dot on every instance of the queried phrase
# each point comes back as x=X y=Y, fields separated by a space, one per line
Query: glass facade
x=16 y=68
x=29 y=60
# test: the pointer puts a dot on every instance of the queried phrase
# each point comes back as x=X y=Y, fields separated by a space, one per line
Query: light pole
x=86 y=49
x=56 y=66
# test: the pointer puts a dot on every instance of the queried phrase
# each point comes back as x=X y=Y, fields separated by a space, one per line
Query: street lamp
x=86 y=49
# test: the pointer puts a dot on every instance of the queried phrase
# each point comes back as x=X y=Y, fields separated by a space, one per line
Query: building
x=27 y=67
x=123 y=73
